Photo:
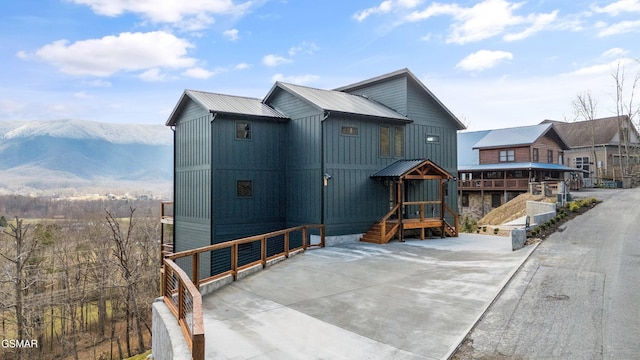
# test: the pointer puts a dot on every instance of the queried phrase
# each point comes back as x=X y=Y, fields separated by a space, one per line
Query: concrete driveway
x=412 y=300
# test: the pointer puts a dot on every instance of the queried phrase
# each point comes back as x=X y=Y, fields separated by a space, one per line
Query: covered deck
x=443 y=221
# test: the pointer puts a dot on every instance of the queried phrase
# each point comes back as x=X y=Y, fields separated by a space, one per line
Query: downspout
x=322 y=169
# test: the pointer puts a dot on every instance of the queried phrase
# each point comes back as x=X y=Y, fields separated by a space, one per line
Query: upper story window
x=349 y=130
x=431 y=138
x=399 y=142
x=536 y=156
x=550 y=156
x=391 y=138
x=507 y=155
x=243 y=130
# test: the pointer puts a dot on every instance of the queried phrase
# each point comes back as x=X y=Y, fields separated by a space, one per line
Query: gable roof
x=336 y=101
x=578 y=134
x=413 y=169
x=411 y=77
x=516 y=136
x=225 y=104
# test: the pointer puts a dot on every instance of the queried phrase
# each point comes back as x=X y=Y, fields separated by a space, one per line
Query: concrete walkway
x=412 y=300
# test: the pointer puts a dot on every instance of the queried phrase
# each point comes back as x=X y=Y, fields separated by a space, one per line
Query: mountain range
x=72 y=157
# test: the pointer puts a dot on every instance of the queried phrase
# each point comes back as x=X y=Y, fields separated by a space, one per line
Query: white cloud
x=305 y=47
x=82 y=95
x=622 y=27
x=124 y=52
x=98 y=83
x=243 y=66
x=385 y=7
x=615 y=53
x=539 y=22
x=295 y=79
x=231 y=34
x=619 y=7
x=200 y=73
x=602 y=69
x=483 y=60
x=152 y=75
x=168 y=11
x=274 y=60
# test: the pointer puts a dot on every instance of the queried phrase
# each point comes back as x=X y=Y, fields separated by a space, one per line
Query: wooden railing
x=185 y=302
x=494 y=184
x=386 y=235
x=181 y=291
x=456 y=220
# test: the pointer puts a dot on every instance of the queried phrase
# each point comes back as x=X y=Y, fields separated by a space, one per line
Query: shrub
x=468 y=224
x=552 y=221
x=484 y=229
x=495 y=231
x=574 y=206
x=534 y=232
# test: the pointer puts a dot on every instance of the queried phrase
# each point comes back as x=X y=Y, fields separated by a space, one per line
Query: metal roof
x=400 y=168
x=341 y=102
x=227 y=104
x=523 y=135
x=518 y=166
x=467 y=155
x=602 y=131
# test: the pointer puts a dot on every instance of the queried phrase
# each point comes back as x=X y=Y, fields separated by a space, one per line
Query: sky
x=493 y=63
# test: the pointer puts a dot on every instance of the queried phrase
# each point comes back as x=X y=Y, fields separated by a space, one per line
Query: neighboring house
x=301 y=155
x=596 y=146
x=495 y=166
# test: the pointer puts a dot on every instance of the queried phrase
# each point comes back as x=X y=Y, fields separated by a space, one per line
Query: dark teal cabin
x=245 y=166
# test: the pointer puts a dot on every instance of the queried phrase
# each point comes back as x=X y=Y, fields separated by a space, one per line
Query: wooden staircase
x=375 y=235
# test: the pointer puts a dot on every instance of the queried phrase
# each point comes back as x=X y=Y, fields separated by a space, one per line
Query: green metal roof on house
x=340 y=102
x=400 y=168
x=523 y=135
x=227 y=104
x=518 y=166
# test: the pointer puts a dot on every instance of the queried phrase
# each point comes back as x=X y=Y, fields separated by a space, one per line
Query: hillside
x=512 y=210
x=75 y=156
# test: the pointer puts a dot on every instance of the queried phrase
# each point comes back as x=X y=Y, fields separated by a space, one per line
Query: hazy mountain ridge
x=71 y=156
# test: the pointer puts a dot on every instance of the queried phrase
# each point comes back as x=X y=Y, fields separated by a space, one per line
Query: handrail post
x=180 y=300
x=195 y=269
x=286 y=244
x=263 y=252
x=322 y=235
x=234 y=261
x=304 y=237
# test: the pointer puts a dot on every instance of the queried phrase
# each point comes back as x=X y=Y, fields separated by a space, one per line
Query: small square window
x=433 y=138
x=349 y=130
x=507 y=155
x=243 y=130
x=244 y=188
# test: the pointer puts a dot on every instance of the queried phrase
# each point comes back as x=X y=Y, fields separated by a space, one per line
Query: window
x=465 y=200
x=535 y=155
x=550 y=156
x=496 y=200
x=243 y=130
x=385 y=141
x=398 y=145
x=431 y=138
x=507 y=155
x=244 y=188
x=349 y=130
x=493 y=175
x=583 y=164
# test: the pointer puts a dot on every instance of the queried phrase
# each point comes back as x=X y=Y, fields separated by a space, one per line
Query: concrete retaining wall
x=518 y=238
x=543 y=218
x=535 y=207
x=167 y=342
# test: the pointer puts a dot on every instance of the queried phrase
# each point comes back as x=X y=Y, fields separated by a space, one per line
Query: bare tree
x=585 y=107
x=626 y=108
x=128 y=261
x=23 y=251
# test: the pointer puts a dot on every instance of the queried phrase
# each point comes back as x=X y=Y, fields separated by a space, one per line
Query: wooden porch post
x=400 y=210
x=442 y=185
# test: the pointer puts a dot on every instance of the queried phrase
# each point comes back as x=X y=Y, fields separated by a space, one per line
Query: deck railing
x=181 y=290
x=495 y=184
x=185 y=302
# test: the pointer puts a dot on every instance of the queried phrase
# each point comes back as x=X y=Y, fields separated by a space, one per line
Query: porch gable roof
x=416 y=169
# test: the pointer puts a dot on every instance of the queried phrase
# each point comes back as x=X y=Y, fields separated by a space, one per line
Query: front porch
x=443 y=221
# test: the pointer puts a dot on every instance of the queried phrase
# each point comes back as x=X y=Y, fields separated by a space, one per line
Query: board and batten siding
x=392 y=93
x=192 y=207
x=354 y=201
